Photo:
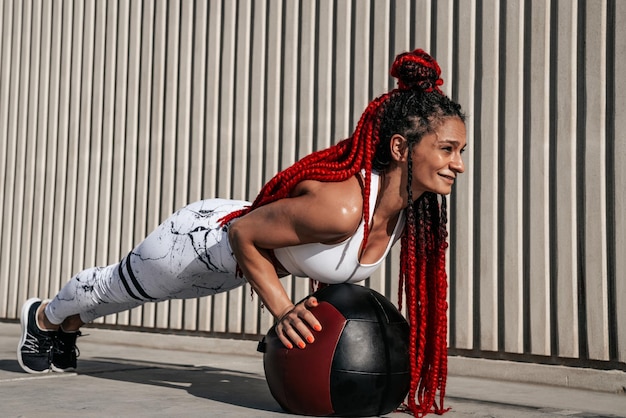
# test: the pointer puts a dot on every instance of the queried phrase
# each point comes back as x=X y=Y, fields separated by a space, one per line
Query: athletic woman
x=333 y=216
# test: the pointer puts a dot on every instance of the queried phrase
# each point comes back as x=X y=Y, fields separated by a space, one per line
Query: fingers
x=294 y=327
x=311 y=302
x=310 y=318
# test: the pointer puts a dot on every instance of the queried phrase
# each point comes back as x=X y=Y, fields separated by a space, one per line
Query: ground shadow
x=234 y=387
x=10 y=366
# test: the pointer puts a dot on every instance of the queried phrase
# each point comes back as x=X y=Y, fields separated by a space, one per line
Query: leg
x=187 y=256
x=71 y=323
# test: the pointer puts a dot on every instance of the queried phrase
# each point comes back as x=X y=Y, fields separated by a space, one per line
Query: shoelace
x=34 y=344
x=65 y=342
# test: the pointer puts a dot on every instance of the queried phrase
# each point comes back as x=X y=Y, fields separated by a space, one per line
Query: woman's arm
x=319 y=212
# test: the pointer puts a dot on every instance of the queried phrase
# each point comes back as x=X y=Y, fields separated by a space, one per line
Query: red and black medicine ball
x=358 y=365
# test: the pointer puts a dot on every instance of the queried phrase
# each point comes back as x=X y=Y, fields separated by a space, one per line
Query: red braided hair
x=413 y=109
x=423 y=275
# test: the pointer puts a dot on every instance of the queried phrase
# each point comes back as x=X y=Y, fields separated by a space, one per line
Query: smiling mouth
x=450 y=179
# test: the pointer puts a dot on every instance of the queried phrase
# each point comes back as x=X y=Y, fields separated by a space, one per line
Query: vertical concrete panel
x=18 y=165
x=443 y=48
x=241 y=100
x=511 y=156
x=360 y=75
x=198 y=78
x=97 y=162
x=341 y=96
x=307 y=48
x=34 y=161
x=72 y=262
x=488 y=144
x=58 y=275
x=537 y=188
x=81 y=138
x=273 y=103
x=619 y=154
x=383 y=35
x=210 y=173
x=565 y=183
x=289 y=84
x=50 y=125
x=324 y=83
x=6 y=44
x=401 y=30
x=595 y=270
x=258 y=62
x=422 y=26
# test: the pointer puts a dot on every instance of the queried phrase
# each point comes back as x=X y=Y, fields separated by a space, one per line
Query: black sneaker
x=64 y=351
x=33 y=352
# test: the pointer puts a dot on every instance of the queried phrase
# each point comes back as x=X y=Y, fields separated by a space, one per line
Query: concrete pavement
x=133 y=374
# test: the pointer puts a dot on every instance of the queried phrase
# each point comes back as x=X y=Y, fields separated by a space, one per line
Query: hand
x=294 y=326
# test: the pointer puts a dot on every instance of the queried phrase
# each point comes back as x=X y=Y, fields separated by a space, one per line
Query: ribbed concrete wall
x=115 y=113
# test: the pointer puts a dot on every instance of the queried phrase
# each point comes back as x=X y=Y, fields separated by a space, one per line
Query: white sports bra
x=337 y=263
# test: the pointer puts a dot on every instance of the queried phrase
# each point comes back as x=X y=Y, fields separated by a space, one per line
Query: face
x=437 y=158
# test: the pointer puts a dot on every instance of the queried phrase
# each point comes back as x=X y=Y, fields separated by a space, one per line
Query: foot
x=64 y=351
x=34 y=349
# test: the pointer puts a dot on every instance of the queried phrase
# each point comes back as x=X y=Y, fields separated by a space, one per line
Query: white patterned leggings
x=187 y=256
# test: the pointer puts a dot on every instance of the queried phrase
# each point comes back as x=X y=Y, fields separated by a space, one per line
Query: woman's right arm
x=312 y=216
x=259 y=271
x=258 y=268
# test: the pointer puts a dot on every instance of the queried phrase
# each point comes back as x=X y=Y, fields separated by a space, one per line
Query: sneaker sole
x=59 y=370
x=24 y=324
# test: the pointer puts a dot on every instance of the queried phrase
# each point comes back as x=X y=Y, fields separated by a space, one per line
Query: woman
x=345 y=205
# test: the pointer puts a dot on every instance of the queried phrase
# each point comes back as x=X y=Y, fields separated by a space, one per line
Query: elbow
x=239 y=238
x=234 y=236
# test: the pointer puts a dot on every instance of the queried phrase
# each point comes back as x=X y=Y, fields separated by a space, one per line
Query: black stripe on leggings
x=135 y=282
x=125 y=283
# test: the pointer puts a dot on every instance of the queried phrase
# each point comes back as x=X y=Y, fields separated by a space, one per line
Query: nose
x=457 y=164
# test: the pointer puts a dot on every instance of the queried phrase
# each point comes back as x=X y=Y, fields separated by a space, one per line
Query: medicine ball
x=358 y=365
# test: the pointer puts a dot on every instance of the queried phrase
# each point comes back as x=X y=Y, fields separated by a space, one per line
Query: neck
x=392 y=196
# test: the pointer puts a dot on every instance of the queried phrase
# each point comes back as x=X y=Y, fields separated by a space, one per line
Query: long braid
x=424 y=275
x=408 y=274
x=422 y=314
x=442 y=329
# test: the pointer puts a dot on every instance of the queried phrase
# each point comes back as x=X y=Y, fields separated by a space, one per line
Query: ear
x=399 y=148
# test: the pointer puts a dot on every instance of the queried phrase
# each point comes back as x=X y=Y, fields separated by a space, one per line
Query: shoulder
x=347 y=195
x=314 y=212
x=340 y=203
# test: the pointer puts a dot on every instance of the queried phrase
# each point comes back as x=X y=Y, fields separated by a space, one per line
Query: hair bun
x=417 y=69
